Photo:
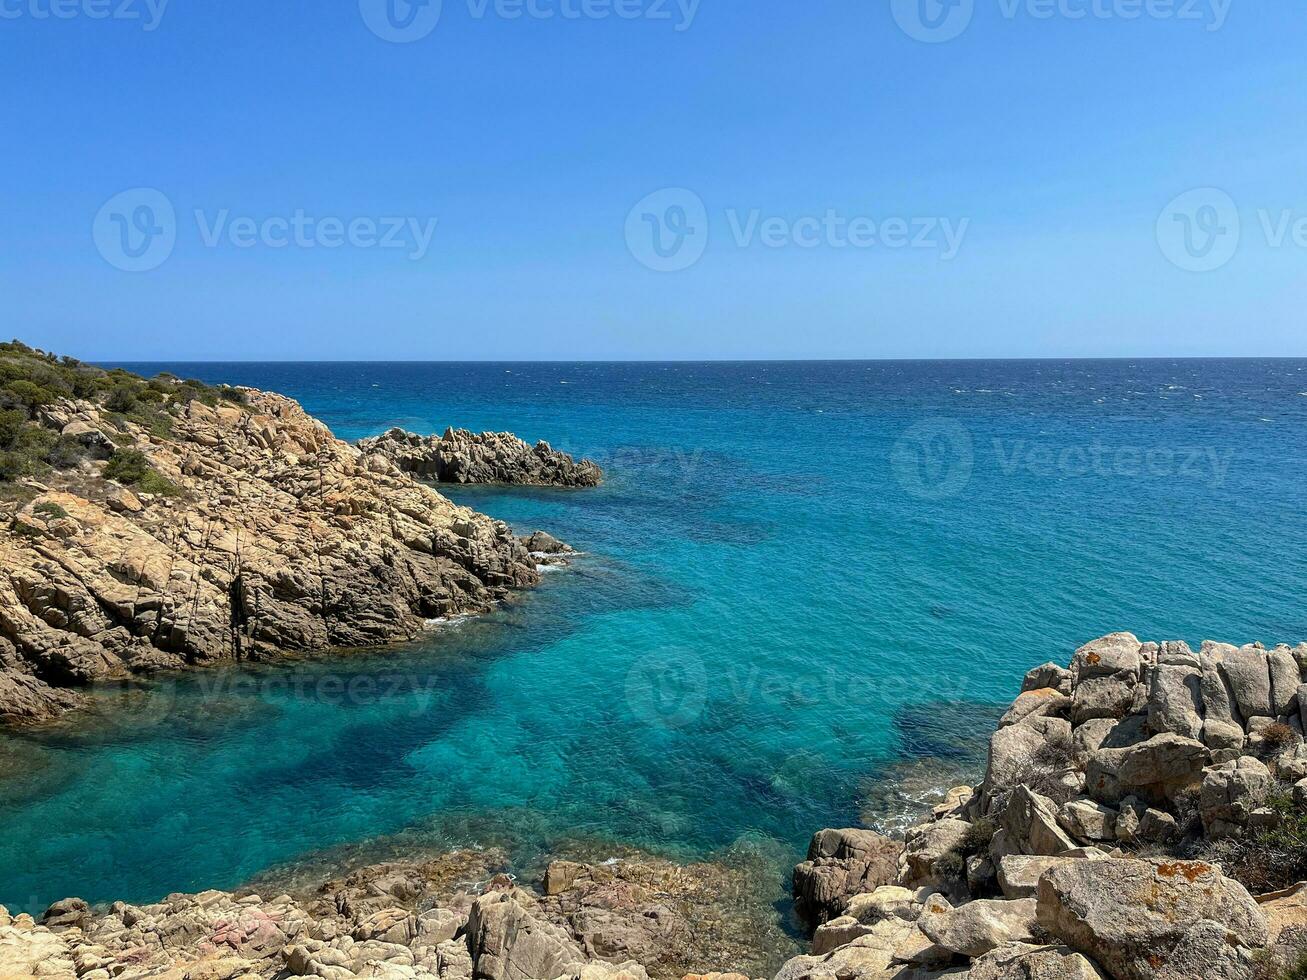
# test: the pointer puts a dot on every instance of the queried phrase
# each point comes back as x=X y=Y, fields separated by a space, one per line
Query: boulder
x=1116 y=653
x=1049 y=675
x=1013 y=751
x=1019 y=874
x=1133 y=917
x=1230 y=793
x=1087 y=820
x=1175 y=700
x=1041 y=701
x=1248 y=675
x=977 y=927
x=1112 y=696
x=929 y=851
x=508 y=943
x=841 y=864
x=1022 y=961
x=1285 y=680
x=1162 y=765
x=1030 y=822
x=69 y=913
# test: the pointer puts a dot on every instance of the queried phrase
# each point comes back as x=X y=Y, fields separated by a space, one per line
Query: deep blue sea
x=807 y=590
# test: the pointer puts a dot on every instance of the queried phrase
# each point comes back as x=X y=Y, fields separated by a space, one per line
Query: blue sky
x=826 y=179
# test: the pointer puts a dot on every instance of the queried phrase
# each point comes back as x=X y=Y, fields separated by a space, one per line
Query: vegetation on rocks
x=31 y=381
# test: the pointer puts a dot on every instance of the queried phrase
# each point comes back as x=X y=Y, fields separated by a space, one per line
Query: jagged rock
x=24 y=699
x=1030 y=822
x=460 y=456
x=841 y=864
x=540 y=543
x=977 y=927
x=1175 y=700
x=929 y=851
x=1022 y=961
x=1230 y=793
x=1019 y=874
x=69 y=913
x=1135 y=917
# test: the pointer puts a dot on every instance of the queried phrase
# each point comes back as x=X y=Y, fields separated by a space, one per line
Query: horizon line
x=711 y=360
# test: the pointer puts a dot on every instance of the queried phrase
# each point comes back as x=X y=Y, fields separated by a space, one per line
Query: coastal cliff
x=153 y=525
x=460 y=456
x=1142 y=816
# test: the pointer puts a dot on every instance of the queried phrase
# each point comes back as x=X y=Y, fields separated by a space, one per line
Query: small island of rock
x=461 y=456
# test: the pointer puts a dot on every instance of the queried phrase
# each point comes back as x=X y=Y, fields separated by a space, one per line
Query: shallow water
x=800 y=580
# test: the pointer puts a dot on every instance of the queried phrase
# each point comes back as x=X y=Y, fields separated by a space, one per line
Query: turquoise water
x=798 y=578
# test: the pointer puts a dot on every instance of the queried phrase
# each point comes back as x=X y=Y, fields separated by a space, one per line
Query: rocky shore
x=164 y=524
x=455 y=917
x=460 y=456
x=1142 y=816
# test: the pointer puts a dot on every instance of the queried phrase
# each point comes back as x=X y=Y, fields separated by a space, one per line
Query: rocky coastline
x=159 y=525
x=464 y=457
x=1142 y=816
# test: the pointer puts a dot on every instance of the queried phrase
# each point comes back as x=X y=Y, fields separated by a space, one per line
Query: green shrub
x=48 y=508
x=127 y=466
x=29 y=394
x=156 y=482
x=131 y=467
x=1271 y=858
x=12 y=422
x=66 y=453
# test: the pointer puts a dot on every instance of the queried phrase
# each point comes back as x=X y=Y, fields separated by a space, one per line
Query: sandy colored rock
x=1131 y=916
x=278 y=537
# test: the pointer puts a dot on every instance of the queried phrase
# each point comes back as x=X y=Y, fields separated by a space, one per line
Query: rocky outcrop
x=261 y=533
x=404 y=921
x=841 y=864
x=460 y=456
x=1040 y=870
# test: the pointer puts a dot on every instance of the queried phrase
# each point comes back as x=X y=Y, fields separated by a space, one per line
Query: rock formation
x=1090 y=847
x=460 y=456
x=623 y=920
x=236 y=530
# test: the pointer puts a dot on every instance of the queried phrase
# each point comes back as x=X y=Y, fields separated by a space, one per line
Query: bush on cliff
x=131 y=467
x=1270 y=858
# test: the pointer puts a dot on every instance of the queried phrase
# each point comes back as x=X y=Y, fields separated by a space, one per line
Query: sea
x=806 y=592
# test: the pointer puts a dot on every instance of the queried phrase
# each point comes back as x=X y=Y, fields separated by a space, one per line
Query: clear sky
x=829 y=178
